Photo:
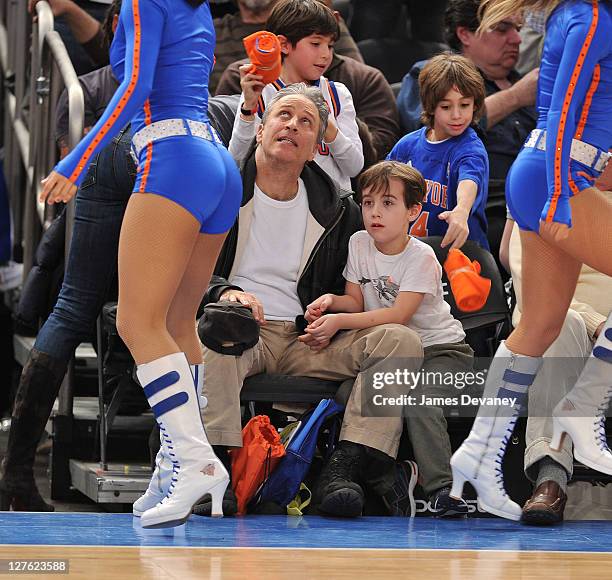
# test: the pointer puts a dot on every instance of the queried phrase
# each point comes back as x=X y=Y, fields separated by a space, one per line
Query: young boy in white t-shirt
x=392 y=277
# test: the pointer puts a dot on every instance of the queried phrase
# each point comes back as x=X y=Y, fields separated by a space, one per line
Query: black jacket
x=334 y=209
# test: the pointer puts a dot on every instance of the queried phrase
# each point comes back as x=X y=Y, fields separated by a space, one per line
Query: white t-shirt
x=271 y=259
x=416 y=269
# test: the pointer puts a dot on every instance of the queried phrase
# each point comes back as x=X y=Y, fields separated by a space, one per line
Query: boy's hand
x=332 y=130
x=251 y=85
x=458 y=229
x=316 y=308
x=311 y=342
x=324 y=328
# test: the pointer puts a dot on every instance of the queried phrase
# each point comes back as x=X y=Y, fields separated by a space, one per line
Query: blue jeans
x=92 y=262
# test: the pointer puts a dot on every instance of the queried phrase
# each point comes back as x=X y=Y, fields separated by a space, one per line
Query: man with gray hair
x=288 y=246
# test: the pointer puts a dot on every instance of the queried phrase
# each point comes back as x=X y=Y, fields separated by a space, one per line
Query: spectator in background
x=509 y=114
x=250 y=18
x=78 y=23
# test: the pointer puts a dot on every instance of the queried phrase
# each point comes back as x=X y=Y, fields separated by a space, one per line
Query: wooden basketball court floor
x=114 y=546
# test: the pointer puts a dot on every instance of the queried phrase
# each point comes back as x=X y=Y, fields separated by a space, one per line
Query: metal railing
x=30 y=96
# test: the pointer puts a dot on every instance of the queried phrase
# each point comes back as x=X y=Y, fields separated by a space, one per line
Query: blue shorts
x=527 y=186
x=195 y=173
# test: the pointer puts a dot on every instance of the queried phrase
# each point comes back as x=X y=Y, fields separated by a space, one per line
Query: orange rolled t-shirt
x=469 y=288
x=264 y=51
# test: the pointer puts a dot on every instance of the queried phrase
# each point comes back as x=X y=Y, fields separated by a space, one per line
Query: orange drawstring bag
x=469 y=288
x=259 y=455
x=264 y=51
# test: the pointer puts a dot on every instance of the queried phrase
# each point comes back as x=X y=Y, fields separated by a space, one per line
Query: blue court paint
x=63 y=529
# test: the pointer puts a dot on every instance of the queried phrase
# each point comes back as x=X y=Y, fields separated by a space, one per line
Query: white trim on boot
x=581 y=414
x=169 y=387
x=162 y=475
x=197 y=371
x=479 y=459
x=160 y=480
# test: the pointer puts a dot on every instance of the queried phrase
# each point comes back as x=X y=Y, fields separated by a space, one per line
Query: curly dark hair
x=460 y=13
x=107 y=23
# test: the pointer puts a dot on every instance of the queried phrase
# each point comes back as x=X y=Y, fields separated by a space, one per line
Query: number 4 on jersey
x=419 y=227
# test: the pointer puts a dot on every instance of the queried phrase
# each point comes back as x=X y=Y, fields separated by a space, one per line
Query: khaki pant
x=350 y=353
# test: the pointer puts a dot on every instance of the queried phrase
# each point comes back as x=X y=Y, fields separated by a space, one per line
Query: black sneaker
x=445 y=506
x=399 y=500
x=338 y=490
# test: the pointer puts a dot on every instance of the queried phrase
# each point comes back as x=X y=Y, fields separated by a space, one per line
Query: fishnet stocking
x=550 y=271
x=159 y=243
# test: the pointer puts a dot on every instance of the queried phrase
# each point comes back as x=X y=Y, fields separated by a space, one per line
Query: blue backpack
x=284 y=482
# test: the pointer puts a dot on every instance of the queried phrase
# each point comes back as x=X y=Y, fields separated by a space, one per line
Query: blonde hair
x=443 y=73
x=492 y=12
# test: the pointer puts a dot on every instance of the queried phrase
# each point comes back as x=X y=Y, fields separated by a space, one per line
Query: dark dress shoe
x=546 y=505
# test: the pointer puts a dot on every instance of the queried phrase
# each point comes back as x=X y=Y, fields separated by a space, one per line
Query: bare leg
x=550 y=272
x=157 y=240
x=549 y=281
x=184 y=307
x=590 y=238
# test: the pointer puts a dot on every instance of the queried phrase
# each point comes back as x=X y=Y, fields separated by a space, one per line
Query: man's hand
x=526 y=89
x=458 y=230
x=318 y=307
x=251 y=85
x=246 y=299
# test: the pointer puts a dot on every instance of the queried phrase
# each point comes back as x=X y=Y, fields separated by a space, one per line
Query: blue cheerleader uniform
x=569 y=148
x=162 y=55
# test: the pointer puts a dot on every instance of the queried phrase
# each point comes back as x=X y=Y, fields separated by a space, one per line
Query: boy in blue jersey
x=448 y=153
x=393 y=278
